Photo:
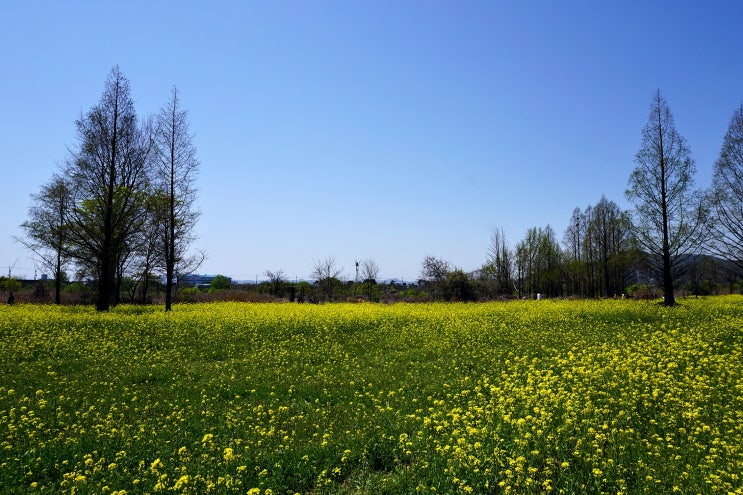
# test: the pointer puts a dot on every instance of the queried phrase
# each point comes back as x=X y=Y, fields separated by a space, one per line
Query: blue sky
x=379 y=129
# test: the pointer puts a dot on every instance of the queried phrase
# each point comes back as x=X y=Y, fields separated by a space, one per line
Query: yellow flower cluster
x=611 y=396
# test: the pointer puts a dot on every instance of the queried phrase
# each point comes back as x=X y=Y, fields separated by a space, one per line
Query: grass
x=522 y=397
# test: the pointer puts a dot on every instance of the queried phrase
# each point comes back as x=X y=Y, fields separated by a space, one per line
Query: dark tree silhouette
x=175 y=172
x=47 y=229
x=727 y=196
x=669 y=215
x=109 y=176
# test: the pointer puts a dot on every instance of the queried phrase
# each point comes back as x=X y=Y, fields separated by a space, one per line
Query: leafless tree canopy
x=537 y=261
x=727 y=195
x=369 y=270
x=327 y=273
x=609 y=237
x=276 y=280
x=175 y=172
x=499 y=266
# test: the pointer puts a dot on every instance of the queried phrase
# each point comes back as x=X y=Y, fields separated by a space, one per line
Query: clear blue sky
x=372 y=129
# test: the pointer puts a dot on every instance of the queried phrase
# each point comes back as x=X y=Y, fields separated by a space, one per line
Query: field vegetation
x=611 y=396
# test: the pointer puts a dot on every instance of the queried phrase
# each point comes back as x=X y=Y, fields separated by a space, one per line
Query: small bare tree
x=369 y=273
x=500 y=265
x=276 y=280
x=327 y=273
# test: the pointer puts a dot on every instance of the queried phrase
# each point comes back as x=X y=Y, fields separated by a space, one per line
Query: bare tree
x=369 y=274
x=47 y=230
x=520 y=262
x=598 y=250
x=109 y=173
x=574 y=240
x=669 y=213
x=549 y=259
x=527 y=261
x=500 y=264
x=591 y=282
x=538 y=261
x=727 y=196
x=277 y=280
x=609 y=234
x=326 y=272
x=175 y=173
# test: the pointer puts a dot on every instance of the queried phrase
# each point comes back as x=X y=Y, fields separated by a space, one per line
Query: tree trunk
x=668 y=298
x=105 y=282
x=169 y=288
x=58 y=280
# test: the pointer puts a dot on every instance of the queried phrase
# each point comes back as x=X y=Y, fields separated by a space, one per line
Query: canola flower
x=520 y=397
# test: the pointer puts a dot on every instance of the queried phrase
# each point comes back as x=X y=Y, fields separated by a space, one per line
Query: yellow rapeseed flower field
x=611 y=396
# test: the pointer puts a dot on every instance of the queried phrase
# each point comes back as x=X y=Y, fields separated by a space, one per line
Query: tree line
x=122 y=205
x=675 y=230
x=672 y=229
x=122 y=202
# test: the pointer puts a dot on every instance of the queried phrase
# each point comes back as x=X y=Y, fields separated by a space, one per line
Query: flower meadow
x=612 y=396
